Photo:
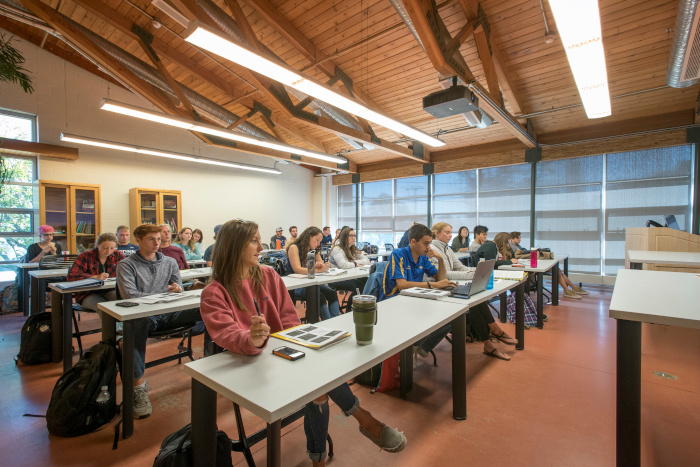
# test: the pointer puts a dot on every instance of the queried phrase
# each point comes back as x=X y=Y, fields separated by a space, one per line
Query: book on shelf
x=420 y=292
x=509 y=275
x=312 y=336
x=88 y=205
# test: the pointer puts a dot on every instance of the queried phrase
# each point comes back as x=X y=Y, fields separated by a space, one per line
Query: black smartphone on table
x=288 y=353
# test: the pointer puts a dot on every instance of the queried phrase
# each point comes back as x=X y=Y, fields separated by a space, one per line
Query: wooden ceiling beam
x=27 y=148
x=425 y=18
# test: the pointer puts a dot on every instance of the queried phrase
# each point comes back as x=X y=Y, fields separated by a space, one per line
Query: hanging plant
x=11 y=69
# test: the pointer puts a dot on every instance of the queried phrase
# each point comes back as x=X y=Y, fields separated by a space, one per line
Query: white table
x=676 y=258
x=23 y=297
x=383 y=254
x=543 y=265
x=39 y=279
x=197 y=262
x=659 y=297
x=257 y=387
x=61 y=325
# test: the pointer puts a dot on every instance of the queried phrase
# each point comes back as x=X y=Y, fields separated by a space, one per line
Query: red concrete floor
x=553 y=404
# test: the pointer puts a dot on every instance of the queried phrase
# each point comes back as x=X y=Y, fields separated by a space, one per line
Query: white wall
x=66 y=98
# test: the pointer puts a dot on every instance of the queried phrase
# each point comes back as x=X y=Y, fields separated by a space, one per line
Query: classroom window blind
x=410 y=202
x=568 y=214
x=504 y=200
x=641 y=186
x=376 y=211
x=346 y=206
x=454 y=200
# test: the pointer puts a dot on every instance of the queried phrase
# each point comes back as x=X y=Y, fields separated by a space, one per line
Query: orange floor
x=552 y=405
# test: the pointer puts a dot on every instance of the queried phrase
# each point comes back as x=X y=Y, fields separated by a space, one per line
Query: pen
x=256 y=307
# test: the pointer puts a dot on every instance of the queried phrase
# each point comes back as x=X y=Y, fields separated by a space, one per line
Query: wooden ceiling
x=389 y=69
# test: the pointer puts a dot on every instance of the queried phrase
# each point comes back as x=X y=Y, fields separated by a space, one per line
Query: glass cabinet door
x=149 y=208
x=86 y=225
x=171 y=204
x=56 y=209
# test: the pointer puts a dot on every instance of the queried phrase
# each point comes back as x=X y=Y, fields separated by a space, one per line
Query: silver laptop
x=479 y=283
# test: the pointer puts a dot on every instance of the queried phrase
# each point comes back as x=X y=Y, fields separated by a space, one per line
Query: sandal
x=494 y=354
x=390 y=439
x=503 y=336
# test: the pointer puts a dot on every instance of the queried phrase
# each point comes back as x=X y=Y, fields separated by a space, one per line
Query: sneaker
x=545 y=317
x=142 y=405
x=579 y=291
x=571 y=294
x=418 y=350
x=390 y=439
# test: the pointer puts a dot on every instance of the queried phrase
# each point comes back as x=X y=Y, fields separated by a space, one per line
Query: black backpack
x=74 y=410
x=176 y=449
x=35 y=340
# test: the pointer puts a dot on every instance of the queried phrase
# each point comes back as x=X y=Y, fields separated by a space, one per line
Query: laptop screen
x=671 y=222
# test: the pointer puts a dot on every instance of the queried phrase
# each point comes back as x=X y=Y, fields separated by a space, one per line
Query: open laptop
x=672 y=222
x=479 y=283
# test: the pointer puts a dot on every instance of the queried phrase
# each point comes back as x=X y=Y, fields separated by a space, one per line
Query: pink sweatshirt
x=229 y=326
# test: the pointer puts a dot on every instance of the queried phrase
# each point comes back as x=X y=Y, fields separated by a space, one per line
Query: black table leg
x=540 y=300
x=520 y=316
x=566 y=266
x=67 y=313
x=274 y=438
x=313 y=304
x=34 y=291
x=41 y=294
x=503 y=302
x=459 y=367
x=56 y=327
x=23 y=298
x=406 y=371
x=636 y=265
x=555 y=285
x=203 y=425
x=128 y=378
x=629 y=398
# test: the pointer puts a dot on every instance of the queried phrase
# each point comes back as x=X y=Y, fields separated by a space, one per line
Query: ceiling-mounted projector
x=454 y=100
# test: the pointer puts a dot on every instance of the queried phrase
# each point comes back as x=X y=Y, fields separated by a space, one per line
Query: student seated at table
x=499 y=249
x=406 y=268
x=337 y=234
x=327 y=237
x=198 y=238
x=480 y=234
x=461 y=242
x=97 y=263
x=238 y=286
x=149 y=272
x=186 y=243
x=515 y=244
x=345 y=255
x=123 y=245
x=480 y=316
x=293 y=233
x=169 y=250
x=46 y=246
x=277 y=237
x=209 y=252
x=295 y=262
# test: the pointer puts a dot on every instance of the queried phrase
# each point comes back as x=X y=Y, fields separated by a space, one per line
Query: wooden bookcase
x=149 y=206
x=73 y=210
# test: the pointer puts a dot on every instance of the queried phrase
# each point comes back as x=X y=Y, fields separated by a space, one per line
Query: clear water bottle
x=104 y=395
x=311 y=264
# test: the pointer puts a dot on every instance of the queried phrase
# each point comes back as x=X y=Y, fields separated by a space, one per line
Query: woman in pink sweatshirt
x=228 y=304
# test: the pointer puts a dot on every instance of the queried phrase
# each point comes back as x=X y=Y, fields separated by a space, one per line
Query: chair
x=388 y=247
x=265 y=246
x=245 y=442
x=184 y=331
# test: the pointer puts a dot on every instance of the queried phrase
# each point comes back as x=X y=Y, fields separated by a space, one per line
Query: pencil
x=256 y=307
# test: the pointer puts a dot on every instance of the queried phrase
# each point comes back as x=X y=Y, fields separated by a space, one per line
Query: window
x=504 y=200
x=644 y=185
x=18 y=197
x=454 y=200
x=568 y=217
x=346 y=206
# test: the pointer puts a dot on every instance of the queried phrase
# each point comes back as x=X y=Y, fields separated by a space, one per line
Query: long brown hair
x=503 y=244
x=303 y=242
x=178 y=238
x=351 y=252
x=227 y=260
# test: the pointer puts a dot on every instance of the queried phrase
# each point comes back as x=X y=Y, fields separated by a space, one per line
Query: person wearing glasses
x=344 y=254
x=46 y=246
x=239 y=287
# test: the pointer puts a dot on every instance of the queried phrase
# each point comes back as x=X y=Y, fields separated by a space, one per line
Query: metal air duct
x=684 y=63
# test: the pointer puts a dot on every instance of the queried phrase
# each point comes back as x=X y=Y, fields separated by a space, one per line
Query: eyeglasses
x=352 y=235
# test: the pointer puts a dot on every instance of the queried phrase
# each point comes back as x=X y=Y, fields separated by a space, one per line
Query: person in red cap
x=45 y=247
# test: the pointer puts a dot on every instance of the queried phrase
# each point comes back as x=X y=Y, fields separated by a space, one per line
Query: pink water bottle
x=533 y=258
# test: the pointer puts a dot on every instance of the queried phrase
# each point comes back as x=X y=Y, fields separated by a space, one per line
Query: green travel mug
x=364 y=314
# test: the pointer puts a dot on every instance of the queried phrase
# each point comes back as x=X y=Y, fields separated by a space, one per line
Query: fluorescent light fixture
x=154 y=152
x=578 y=24
x=133 y=111
x=204 y=38
x=170 y=11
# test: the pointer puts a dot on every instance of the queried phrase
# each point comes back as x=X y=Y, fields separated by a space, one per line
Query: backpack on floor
x=382 y=377
x=9 y=302
x=74 y=410
x=176 y=449
x=529 y=308
x=35 y=340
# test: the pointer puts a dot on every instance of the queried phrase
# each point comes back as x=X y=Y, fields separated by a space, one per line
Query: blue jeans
x=431 y=341
x=316 y=418
x=143 y=326
x=330 y=308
